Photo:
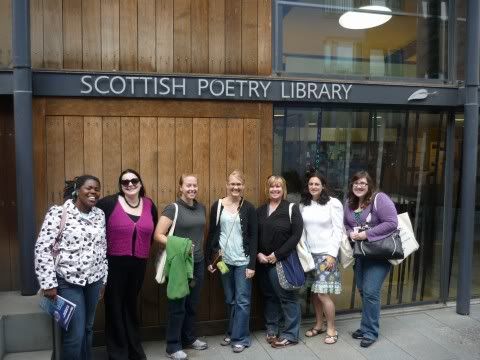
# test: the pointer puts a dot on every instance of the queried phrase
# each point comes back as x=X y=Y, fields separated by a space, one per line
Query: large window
x=5 y=34
x=364 y=38
x=403 y=151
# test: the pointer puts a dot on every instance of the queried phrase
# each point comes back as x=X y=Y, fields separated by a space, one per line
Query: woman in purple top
x=130 y=219
x=370 y=216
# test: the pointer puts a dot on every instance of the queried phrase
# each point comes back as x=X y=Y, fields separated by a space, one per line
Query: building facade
x=267 y=86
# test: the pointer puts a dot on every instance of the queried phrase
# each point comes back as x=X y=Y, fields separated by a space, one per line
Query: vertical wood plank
x=218 y=164
x=266 y=146
x=251 y=136
x=199 y=36
x=201 y=157
x=182 y=35
x=40 y=159
x=93 y=147
x=235 y=146
x=164 y=32
x=216 y=36
x=55 y=160
x=148 y=170
x=36 y=32
x=52 y=35
x=146 y=35
x=110 y=10
x=183 y=146
x=91 y=35
x=5 y=33
x=249 y=37
x=128 y=34
x=264 y=37
x=233 y=36
x=72 y=34
x=130 y=143
x=112 y=158
x=74 y=146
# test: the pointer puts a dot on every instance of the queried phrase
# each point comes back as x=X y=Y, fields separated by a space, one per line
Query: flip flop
x=331 y=339
x=314 y=332
x=283 y=343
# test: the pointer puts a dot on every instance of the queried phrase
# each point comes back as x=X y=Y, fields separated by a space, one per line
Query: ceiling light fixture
x=356 y=20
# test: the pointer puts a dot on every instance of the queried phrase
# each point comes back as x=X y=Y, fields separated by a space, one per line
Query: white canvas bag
x=162 y=259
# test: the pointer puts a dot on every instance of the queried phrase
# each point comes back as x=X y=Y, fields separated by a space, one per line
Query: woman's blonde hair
x=237 y=174
x=273 y=179
x=182 y=178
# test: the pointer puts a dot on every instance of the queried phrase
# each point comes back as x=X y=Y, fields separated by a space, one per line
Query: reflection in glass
x=412 y=44
x=402 y=150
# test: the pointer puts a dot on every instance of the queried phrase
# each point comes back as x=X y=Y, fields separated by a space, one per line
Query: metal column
x=22 y=107
x=469 y=168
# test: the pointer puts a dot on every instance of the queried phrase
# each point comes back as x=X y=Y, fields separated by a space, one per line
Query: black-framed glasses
x=134 y=181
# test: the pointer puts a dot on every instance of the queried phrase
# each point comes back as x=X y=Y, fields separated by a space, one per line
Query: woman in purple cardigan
x=370 y=216
x=130 y=217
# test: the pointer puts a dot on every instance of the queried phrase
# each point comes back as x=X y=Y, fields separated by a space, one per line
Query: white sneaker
x=198 y=345
x=178 y=355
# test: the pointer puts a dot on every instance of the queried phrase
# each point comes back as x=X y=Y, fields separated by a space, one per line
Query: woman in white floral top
x=79 y=270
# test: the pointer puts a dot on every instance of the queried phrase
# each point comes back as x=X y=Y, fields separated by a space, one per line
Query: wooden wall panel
x=91 y=35
x=216 y=36
x=199 y=20
x=266 y=146
x=234 y=145
x=146 y=35
x=112 y=154
x=164 y=32
x=39 y=159
x=55 y=155
x=128 y=35
x=5 y=33
x=183 y=146
x=52 y=34
x=130 y=143
x=167 y=180
x=93 y=146
x=73 y=146
x=72 y=27
x=251 y=160
x=233 y=37
x=201 y=157
x=182 y=48
x=110 y=23
x=182 y=36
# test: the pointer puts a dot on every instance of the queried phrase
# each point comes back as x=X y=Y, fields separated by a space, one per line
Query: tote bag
x=162 y=259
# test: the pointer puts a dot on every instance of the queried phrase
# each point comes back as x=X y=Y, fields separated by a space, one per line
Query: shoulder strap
x=219 y=208
x=290 y=210
x=63 y=220
x=172 y=228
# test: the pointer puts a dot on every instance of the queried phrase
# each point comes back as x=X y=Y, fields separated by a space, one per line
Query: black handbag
x=389 y=248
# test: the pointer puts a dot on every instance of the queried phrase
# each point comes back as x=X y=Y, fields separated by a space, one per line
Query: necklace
x=132 y=206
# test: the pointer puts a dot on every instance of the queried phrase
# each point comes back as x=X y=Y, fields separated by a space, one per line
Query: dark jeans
x=182 y=313
x=125 y=279
x=238 y=290
x=370 y=275
x=77 y=340
x=279 y=304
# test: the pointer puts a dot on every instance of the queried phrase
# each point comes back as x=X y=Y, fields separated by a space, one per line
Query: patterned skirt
x=321 y=280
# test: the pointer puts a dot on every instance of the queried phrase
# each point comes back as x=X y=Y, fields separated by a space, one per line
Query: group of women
x=90 y=248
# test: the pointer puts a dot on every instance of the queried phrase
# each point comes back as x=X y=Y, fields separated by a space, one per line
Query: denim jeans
x=182 y=312
x=77 y=340
x=279 y=304
x=238 y=290
x=370 y=275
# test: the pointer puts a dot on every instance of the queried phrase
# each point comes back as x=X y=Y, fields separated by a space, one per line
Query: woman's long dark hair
x=72 y=186
x=324 y=195
x=352 y=199
x=142 y=192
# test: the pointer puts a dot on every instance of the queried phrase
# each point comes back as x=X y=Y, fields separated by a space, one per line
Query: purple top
x=126 y=237
x=383 y=219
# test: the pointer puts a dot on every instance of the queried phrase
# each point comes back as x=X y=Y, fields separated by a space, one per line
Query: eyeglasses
x=360 y=184
x=134 y=181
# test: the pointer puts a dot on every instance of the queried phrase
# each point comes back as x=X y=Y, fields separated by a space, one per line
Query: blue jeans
x=370 y=275
x=238 y=289
x=279 y=304
x=182 y=313
x=77 y=340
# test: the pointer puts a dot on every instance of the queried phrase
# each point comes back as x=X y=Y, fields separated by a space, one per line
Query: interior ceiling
x=308 y=31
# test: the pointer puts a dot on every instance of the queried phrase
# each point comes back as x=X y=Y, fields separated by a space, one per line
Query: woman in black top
x=278 y=235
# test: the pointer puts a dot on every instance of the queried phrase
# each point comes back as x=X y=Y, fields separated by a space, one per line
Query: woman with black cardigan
x=278 y=235
x=233 y=239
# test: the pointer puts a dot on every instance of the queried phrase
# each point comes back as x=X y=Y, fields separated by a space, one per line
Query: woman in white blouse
x=74 y=265
x=323 y=229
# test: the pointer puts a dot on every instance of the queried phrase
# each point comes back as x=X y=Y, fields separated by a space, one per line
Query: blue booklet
x=60 y=309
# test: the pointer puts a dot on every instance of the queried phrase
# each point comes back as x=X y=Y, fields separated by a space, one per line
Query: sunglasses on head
x=134 y=181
